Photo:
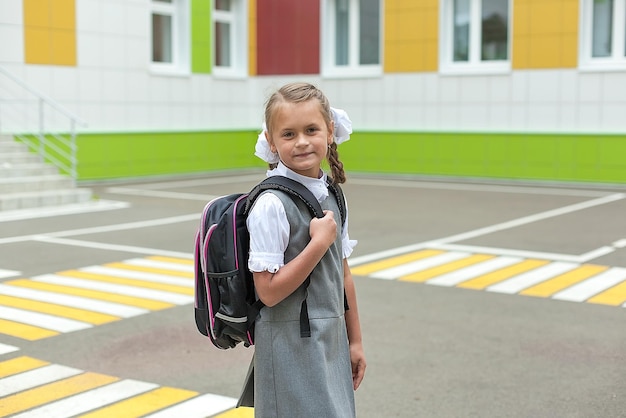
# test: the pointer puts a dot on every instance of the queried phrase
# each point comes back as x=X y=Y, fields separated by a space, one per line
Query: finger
x=357 y=377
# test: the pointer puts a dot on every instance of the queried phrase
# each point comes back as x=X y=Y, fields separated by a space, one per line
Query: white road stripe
x=139 y=275
x=530 y=278
x=198 y=407
x=455 y=277
x=46 y=321
x=590 y=287
x=111 y=308
x=5 y=348
x=489 y=229
x=145 y=262
x=34 y=378
x=8 y=273
x=109 y=247
x=419 y=265
x=87 y=401
x=138 y=292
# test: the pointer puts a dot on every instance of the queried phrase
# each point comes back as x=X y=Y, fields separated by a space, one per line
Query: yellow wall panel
x=410 y=29
x=37 y=46
x=50 y=32
x=62 y=14
x=545 y=34
x=63 y=47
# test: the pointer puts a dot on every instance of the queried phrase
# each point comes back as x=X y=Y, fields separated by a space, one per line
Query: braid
x=336 y=166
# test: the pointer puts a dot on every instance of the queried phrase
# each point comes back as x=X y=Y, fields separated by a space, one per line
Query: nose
x=301 y=140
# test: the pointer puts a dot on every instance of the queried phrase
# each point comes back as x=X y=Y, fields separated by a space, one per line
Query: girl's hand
x=357 y=358
x=324 y=230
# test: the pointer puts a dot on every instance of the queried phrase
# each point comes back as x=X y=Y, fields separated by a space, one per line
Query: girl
x=294 y=376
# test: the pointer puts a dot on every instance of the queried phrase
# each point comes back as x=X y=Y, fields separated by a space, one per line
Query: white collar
x=316 y=186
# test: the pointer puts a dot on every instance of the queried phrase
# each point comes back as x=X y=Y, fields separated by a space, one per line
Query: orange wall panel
x=50 y=32
x=411 y=28
x=545 y=34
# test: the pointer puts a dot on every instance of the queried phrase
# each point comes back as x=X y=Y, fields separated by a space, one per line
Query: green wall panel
x=562 y=157
x=106 y=156
x=200 y=36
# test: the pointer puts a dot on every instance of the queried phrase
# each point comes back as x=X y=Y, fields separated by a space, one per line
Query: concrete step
x=19 y=157
x=12 y=146
x=29 y=200
x=34 y=183
x=8 y=169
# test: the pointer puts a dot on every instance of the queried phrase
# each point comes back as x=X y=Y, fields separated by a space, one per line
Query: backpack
x=226 y=304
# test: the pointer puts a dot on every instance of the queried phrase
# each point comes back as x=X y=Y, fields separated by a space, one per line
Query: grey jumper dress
x=305 y=377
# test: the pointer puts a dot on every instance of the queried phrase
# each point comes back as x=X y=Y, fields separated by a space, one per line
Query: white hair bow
x=343 y=129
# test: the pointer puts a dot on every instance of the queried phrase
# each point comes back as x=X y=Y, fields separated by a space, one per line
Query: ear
x=270 y=142
x=331 y=132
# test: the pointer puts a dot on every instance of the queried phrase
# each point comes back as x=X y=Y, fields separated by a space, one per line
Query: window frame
x=616 y=61
x=475 y=65
x=328 y=46
x=178 y=10
x=237 y=17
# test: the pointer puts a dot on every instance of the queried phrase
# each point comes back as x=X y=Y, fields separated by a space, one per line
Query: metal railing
x=24 y=114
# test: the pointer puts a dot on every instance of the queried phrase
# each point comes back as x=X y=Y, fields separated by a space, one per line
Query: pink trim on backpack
x=206 y=280
x=235 y=227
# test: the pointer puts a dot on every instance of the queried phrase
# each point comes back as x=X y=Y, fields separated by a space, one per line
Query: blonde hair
x=298 y=93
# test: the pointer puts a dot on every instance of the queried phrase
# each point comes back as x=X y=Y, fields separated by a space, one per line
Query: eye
x=287 y=134
x=312 y=130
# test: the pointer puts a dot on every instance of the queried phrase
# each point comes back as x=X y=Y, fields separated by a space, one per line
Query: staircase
x=27 y=182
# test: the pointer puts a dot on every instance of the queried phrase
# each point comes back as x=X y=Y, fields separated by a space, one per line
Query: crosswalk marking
x=591 y=287
x=427 y=274
x=396 y=271
x=32 y=388
x=470 y=272
x=60 y=310
x=504 y=273
x=522 y=281
x=146 y=304
x=44 y=395
x=563 y=281
x=35 y=377
x=143 y=404
x=19 y=365
x=486 y=280
x=366 y=269
x=47 y=305
x=174 y=288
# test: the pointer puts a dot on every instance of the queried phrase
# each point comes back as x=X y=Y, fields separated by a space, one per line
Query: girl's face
x=300 y=136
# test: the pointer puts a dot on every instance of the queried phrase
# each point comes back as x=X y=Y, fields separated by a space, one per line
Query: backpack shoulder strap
x=341 y=200
x=290 y=187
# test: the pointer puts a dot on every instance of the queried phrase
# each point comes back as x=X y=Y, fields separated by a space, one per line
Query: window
x=229 y=35
x=475 y=36
x=170 y=39
x=351 y=37
x=603 y=41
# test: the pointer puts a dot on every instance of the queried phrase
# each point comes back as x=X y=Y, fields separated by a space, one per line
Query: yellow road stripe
x=153 y=305
x=186 y=274
x=54 y=391
x=369 y=268
x=422 y=276
x=58 y=310
x=128 y=282
x=19 y=365
x=173 y=260
x=143 y=404
x=24 y=331
x=613 y=296
x=241 y=412
x=560 y=282
x=482 y=282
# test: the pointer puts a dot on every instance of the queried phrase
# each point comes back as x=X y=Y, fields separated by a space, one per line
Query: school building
x=500 y=89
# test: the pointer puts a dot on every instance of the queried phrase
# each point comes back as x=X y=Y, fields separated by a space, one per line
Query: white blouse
x=269 y=228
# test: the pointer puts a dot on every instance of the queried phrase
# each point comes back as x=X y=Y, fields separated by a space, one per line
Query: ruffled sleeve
x=269 y=234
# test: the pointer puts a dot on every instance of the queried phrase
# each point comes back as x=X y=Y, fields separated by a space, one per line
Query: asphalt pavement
x=476 y=300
